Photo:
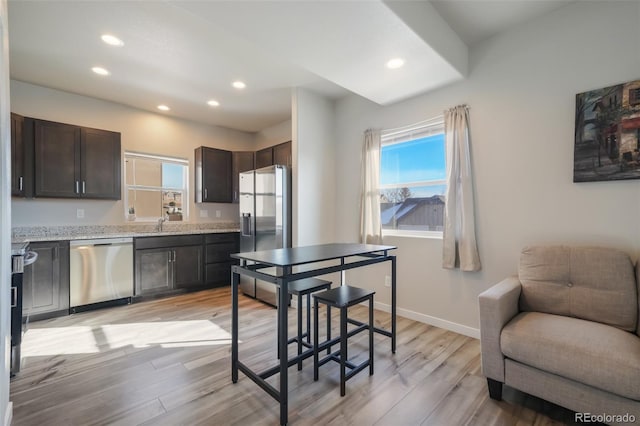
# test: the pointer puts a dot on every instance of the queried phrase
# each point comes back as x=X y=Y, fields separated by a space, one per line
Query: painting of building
x=607 y=134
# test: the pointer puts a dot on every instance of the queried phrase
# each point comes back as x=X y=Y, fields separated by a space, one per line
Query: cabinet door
x=242 y=162
x=264 y=157
x=187 y=264
x=100 y=164
x=46 y=282
x=213 y=175
x=17 y=155
x=154 y=270
x=57 y=160
x=282 y=154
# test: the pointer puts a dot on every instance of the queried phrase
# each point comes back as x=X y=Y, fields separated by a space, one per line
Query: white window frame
x=402 y=135
x=163 y=159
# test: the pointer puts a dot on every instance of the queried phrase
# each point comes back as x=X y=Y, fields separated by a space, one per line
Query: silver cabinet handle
x=14 y=297
x=169 y=253
x=84 y=187
x=77 y=187
x=20 y=183
x=206 y=194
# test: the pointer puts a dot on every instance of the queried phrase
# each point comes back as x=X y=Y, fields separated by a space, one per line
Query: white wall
x=314 y=174
x=521 y=90
x=273 y=135
x=141 y=131
x=5 y=219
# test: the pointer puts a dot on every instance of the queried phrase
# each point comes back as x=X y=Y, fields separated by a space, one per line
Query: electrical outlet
x=204 y=213
x=218 y=214
x=80 y=213
x=387 y=281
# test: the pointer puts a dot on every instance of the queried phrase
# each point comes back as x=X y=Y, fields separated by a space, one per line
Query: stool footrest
x=335 y=356
x=356 y=369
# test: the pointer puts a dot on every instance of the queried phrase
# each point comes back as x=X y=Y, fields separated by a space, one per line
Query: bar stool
x=342 y=297
x=304 y=288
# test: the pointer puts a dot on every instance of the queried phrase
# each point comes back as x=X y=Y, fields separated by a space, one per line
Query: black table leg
x=282 y=345
x=393 y=304
x=235 y=280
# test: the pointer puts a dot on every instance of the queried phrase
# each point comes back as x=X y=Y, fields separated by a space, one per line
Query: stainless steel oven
x=20 y=258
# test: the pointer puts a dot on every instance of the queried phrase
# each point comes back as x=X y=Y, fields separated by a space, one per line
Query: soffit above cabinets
x=184 y=53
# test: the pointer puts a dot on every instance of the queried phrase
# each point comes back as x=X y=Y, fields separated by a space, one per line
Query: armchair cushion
x=587 y=352
x=596 y=284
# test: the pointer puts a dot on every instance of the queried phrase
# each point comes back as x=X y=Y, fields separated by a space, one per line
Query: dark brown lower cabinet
x=218 y=261
x=170 y=264
x=46 y=282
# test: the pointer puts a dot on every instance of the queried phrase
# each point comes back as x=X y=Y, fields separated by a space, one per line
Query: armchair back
x=591 y=283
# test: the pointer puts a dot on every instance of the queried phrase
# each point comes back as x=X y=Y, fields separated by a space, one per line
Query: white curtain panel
x=459 y=242
x=370 y=223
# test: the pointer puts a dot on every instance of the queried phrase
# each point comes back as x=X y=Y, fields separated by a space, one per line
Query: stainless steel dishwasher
x=101 y=271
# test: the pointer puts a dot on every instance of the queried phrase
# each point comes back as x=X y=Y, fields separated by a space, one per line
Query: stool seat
x=344 y=296
x=308 y=285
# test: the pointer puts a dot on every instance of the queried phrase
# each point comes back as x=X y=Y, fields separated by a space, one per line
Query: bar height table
x=284 y=260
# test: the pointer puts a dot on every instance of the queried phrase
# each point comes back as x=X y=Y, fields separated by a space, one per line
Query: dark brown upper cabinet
x=264 y=157
x=213 y=175
x=242 y=162
x=100 y=159
x=282 y=154
x=76 y=162
x=17 y=156
x=277 y=154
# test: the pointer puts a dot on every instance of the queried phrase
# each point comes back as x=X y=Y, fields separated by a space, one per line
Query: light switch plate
x=80 y=213
x=204 y=213
x=218 y=213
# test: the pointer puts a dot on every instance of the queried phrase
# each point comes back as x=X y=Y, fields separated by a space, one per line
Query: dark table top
x=309 y=254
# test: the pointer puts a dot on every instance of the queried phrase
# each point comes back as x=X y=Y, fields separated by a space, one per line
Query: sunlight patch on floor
x=100 y=338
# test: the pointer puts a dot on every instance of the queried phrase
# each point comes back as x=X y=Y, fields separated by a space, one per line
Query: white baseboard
x=8 y=414
x=428 y=319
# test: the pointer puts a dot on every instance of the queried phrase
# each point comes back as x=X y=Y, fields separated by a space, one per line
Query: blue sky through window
x=413 y=161
x=172 y=175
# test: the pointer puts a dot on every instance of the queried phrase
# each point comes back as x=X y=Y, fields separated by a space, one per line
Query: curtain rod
x=433 y=120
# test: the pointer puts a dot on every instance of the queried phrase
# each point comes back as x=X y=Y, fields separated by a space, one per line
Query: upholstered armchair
x=566 y=330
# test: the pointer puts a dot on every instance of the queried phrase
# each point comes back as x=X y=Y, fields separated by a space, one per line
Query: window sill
x=434 y=235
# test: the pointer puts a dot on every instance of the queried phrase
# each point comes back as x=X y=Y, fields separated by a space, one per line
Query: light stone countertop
x=88 y=232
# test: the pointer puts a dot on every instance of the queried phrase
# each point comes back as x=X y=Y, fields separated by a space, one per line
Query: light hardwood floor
x=167 y=362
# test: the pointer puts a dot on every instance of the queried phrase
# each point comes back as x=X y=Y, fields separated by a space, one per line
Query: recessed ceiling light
x=100 y=71
x=238 y=84
x=163 y=108
x=112 y=40
x=213 y=103
x=395 y=63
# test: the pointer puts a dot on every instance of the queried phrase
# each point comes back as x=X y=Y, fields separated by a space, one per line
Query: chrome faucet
x=160 y=222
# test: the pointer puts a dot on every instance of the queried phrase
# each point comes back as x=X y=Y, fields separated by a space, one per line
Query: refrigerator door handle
x=246 y=225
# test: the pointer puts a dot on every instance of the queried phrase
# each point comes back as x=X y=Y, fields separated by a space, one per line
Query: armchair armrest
x=498 y=305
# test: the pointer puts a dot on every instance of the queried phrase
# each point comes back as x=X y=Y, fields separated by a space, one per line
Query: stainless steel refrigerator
x=265 y=221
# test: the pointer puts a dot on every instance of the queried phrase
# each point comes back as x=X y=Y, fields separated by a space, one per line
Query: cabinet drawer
x=225 y=237
x=167 y=241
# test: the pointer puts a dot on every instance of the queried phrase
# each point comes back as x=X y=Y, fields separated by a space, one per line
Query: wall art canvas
x=607 y=134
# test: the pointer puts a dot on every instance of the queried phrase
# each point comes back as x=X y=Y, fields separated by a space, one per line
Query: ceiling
x=184 y=53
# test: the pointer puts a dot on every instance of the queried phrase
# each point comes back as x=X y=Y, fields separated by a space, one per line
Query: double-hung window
x=413 y=181
x=156 y=187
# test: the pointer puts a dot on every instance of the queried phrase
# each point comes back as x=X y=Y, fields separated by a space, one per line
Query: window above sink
x=156 y=187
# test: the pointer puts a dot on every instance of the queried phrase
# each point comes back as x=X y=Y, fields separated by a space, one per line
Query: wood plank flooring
x=167 y=362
